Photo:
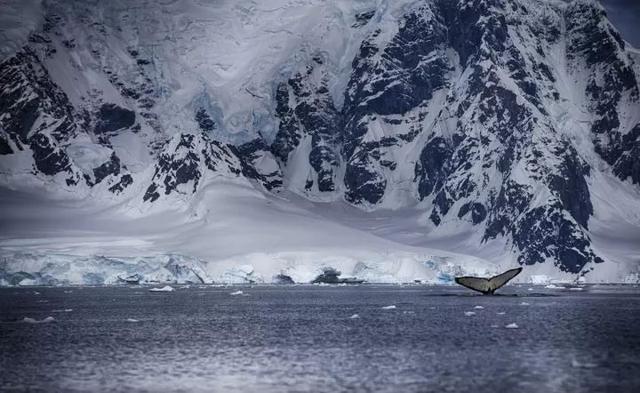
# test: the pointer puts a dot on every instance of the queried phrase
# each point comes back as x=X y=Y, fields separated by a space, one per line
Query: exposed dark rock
x=185 y=159
x=364 y=184
x=313 y=114
x=4 y=146
x=324 y=161
x=363 y=18
x=570 y=185
x=288 y=135
x=49 y=159
x=628 y=165
x=111 y=117
x=545 y=233
x=204 y=120
x=478 y=212
x=250 y=155
x=111 y=167
x=152 y=193
x=430 y=171
x=126 y=181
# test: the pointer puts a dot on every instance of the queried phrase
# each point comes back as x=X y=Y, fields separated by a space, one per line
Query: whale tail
x=488 y=285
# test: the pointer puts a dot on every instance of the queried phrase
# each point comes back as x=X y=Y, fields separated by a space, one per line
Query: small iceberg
x=469 y=313
x=133 y=279
x=512 y=326
x=354 y=316
x=577 y=364
x=166 y=288
x=32 y=320
x=236 y=293
x=479 y=308
x=392 y=307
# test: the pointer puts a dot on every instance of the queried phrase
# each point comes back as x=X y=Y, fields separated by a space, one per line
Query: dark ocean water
x=302 y=338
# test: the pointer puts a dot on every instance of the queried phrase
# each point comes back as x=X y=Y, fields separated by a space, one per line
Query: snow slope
x=231 y=233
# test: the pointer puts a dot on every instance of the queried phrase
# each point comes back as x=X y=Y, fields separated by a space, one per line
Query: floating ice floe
x=236 y=293
x=354 y=316
x=392 y=307
x=166 y=288
x=132 y=320
x=512 y=326
x=479 y=308
x=32 y=320
x=577 y=364
x=469 y=313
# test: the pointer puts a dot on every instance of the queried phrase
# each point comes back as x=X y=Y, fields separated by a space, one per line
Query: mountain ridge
x=495 y=121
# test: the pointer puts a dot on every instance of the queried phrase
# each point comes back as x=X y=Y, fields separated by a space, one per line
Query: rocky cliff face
x=492 y=117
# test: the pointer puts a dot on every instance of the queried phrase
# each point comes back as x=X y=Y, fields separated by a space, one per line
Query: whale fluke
x=488 y=285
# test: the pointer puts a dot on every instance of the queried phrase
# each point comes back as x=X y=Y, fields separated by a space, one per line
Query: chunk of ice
x=166 y=288
x=32 y=320
x=577 y=364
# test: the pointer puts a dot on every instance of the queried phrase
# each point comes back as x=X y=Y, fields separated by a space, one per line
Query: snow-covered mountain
x=391 y=139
